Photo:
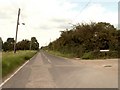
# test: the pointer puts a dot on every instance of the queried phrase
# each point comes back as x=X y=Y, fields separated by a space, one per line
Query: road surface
x=48 y=71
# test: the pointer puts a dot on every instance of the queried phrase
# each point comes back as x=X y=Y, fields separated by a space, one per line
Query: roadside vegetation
x=21 y=45
x=86 y=40
x=57 y=53
x=11 y=61
x=26 y=49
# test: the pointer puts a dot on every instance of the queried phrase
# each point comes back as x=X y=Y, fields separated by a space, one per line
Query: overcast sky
x=44 y=19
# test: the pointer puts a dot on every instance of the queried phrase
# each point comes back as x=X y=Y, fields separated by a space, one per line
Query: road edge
x=16 y=71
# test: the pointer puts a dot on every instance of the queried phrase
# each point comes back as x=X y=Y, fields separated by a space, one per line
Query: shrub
x=88 y=55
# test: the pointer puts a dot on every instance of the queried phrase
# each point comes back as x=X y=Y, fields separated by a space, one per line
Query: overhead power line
x=87 y=4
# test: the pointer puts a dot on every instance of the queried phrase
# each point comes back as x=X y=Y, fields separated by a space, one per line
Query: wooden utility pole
x=16 y=31
x=31 y=44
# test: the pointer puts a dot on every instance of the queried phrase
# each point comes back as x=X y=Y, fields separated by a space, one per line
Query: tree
x=23 y=45
x=9 y=44
x=34 y=45
x=85 y=38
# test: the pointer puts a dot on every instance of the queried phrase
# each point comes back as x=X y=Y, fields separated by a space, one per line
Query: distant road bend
x=48 y=71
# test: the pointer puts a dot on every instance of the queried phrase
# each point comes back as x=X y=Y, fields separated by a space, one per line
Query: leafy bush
x=88 y=55
x=110 y=54
x=88 y=38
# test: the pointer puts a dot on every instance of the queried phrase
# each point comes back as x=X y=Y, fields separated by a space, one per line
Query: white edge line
x=13 y=74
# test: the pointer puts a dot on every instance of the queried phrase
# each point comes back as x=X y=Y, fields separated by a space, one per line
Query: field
x=11 y=61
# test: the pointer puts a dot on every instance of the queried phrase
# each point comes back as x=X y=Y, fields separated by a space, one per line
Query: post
x=30 y=44
x=16 y=31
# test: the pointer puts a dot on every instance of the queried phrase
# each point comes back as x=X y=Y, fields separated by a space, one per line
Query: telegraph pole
x=16 y=31
x=30 y=44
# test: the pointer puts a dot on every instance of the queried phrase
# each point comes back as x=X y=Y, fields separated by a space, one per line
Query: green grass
x=88 y=55
x=57 y=53
x=11 y=61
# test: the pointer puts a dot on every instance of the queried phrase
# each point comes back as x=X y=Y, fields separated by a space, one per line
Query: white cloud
x=45 y=18
x=97 y=13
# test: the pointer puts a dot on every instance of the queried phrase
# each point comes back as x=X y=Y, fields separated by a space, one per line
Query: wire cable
x=74 y=18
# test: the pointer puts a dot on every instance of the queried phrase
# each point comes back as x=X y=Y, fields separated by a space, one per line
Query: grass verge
x=57 y=53
x=88 y=55
x=11 y=61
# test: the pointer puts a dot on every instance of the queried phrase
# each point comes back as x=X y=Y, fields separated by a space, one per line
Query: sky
x=44 y=19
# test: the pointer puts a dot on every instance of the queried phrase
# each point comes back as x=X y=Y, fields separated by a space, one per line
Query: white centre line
x=47 y=58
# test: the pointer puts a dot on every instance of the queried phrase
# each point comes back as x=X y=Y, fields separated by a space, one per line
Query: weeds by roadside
x=11 y=61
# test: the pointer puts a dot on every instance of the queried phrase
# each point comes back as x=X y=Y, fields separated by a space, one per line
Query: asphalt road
x=48 y=71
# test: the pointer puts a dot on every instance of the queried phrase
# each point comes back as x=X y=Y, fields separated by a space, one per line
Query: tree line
x=87 y=39
x=21 y=45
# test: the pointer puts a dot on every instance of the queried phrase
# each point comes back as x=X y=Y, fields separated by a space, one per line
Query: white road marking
x=13 y=74
x=47 y=58
x=49 y=61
